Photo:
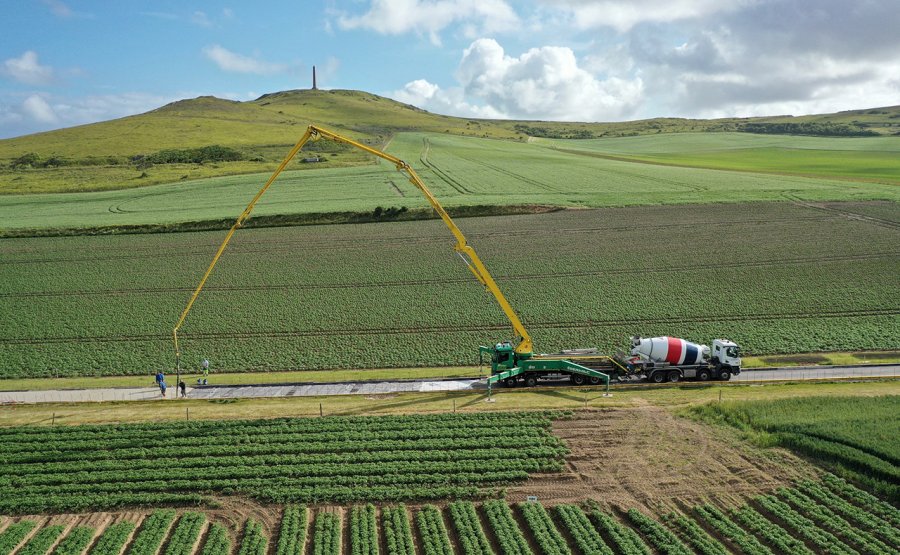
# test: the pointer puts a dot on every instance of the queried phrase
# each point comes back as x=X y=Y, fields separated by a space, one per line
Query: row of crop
x=257 y=482
x=771 y=533
x=586 y=537
x=113 y=539
x=397 y=534
x=829 y=520
x=694 y=535
x=505 y=527
x=861 y=518
x=37 y=470
x=471 y=536
x=218 y=542
x=34 y=504
x=804 y=527
x=75 y=541
x=185 y=534
x=363 y=530
x=292 y=537
x=412 y=433
x=661 y=538
x=9 y=437
x=254 y=541
x=101 y=453
x=542 y=528
x=14 y=534
x=723 y=524
x=152 y=532
x=326 y=538
x=626 y=540
x=435 y=539
x=51 y=483
x=40 y=543
x=863 y=498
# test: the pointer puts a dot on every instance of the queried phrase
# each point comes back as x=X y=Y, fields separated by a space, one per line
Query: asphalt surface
x=392 y=387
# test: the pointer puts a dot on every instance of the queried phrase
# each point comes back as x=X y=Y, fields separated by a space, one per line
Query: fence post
x=320 y=410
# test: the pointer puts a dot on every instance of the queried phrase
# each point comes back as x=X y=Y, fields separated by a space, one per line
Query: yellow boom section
x=465 y=251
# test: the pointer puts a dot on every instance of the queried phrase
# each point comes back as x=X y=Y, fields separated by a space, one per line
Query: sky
x=71 y=62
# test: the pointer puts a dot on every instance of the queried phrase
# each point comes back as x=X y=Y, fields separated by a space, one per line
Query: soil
x=645 y=457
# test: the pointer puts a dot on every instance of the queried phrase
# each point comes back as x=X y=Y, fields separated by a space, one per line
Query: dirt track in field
x=646 y=457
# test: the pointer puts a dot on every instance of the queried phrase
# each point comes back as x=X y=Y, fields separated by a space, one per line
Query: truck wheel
x=595 y=380
x=674 y=376
x=725 y=376
x=509 y=382
x=657 y=377
x=703 y=375
x=530 y=381
x=577 y=379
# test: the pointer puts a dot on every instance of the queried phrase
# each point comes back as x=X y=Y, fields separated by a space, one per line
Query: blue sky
x=69 y=62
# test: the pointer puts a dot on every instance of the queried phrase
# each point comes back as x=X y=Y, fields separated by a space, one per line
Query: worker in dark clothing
x=183 y=387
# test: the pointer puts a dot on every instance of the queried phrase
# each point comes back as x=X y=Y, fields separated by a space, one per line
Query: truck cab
x=726 y=356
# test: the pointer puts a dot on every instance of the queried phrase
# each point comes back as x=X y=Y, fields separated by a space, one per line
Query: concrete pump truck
x=511 y=364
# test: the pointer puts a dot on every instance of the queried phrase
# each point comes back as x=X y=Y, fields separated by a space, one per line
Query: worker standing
x=162 y=388
x=160 y=382
x=205 y=365
x=183 y=387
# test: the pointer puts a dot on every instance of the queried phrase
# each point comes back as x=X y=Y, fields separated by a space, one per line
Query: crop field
x=465 y=172
x=870 y=158
x=830 y=516
x=774 y=277
x=855 y=438
x=336 y=459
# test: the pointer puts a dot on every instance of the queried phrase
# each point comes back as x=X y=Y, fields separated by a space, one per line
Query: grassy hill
x=120 y=154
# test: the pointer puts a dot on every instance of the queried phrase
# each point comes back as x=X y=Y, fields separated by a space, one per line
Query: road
x=392 y=387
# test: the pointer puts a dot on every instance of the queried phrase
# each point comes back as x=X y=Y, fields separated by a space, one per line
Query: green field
x=854 y=437
x=865 y=159
x=460 y=172
x=775 y=277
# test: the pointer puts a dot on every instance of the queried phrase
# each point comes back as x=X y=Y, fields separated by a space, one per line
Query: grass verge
x=543 y=398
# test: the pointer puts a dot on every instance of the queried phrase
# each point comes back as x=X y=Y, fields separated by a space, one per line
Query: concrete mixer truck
x=662 y=359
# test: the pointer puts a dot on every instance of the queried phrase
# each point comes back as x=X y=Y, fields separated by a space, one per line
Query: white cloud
x=231 y=61
x=201 y=19
x=396 y=17
x=28 y=70
x=37 y=109
x=622 y=15
x=58 y=8
x=543 y=83
x=41 y=112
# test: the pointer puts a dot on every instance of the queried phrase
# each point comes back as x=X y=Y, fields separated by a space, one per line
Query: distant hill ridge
x=278 y=118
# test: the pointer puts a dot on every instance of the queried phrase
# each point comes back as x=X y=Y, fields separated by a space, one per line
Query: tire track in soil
x=580 y=324
x=644 y=457
x=855 y=216
x=445 y=281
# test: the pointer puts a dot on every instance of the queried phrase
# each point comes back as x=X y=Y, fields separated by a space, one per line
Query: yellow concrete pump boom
x=465 y=251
